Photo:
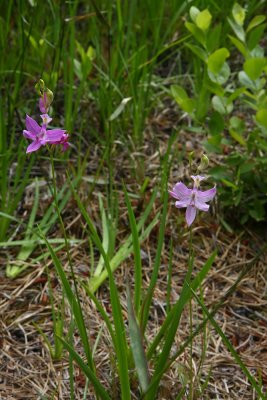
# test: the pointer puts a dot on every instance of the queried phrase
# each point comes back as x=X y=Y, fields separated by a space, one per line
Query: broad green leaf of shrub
x=255 y=36
x=216 y=123
x=222 y=77
x=253 y=67
x=245 y=80
x=239 y=45
x=239 y=14
x=178 y=92
x=196 y=32
x=214 y=88
x=257 y=20
x=217 y=59
x=181 y=98
x=236 y=93
x=214 y=38
x=237 y=123
x=218 y=172
x=237 y=137
x=198 y=51
x=238 y=30
x=203 y=20
x=193 y=12
x=220 y=104
x=261 y=117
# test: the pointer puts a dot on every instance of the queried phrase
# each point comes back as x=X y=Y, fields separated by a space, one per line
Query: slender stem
x=191 y=386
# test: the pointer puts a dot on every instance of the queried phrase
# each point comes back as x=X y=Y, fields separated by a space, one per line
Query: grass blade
x=148 y=299
x=137 y=256
x=173 y=319
x=137 y=346
x=127 y=248
x=195 y=284
x=74 y=304
x=121 y=344
x=99 y=388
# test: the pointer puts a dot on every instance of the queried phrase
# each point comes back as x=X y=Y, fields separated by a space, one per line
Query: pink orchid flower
x=192 y=199
x=64 y=142
x=39 y=135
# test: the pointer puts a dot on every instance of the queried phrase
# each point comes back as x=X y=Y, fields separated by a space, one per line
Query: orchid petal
x=190 y=214
x=207 y=195
x=181 y=204
x=34 y=146
x=32 y=125
x=65 y=146
x=201 y=205
x=43 y=104
x=198 y=178
x=54 y=135
x=29 y=135
x=46 y=119
x=181 y=192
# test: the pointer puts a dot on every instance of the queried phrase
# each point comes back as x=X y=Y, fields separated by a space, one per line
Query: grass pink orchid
x=192 y=199
x=39 y=135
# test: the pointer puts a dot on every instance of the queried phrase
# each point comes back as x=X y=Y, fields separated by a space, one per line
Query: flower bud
x=190 y=158
x=204 y=162
x=45 y=94
x=40 y=87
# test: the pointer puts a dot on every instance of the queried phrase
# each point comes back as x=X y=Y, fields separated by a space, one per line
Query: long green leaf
x=173 y=324
x=102 y=312
x=121 y=344
x=127 y=248
x=74 y=304
x=137 y=256
x=137 y=346
x=171 y=315
x=99 y=388
x=153 y=281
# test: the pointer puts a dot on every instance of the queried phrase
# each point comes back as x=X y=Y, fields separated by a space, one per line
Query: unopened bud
x=46 y=96
x=40 y=87
x=204 y=162
x=49 y=96
x=190 y=158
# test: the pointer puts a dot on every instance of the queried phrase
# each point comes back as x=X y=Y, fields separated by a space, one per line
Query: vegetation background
x=144 y=88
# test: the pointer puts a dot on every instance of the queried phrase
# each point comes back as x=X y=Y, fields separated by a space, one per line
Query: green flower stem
x=191 y=386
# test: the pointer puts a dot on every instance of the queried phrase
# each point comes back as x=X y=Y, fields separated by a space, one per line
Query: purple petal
x=65 y=146
x=54 y=135
x=34 y=146
x=183 y=203
x=201 y=205
x=43 y=104
x=207 y=195
x=181 y=192
x=46 y=119
x=32 y=125
x=198 y=178
x=29 y=135
x=190 y=214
